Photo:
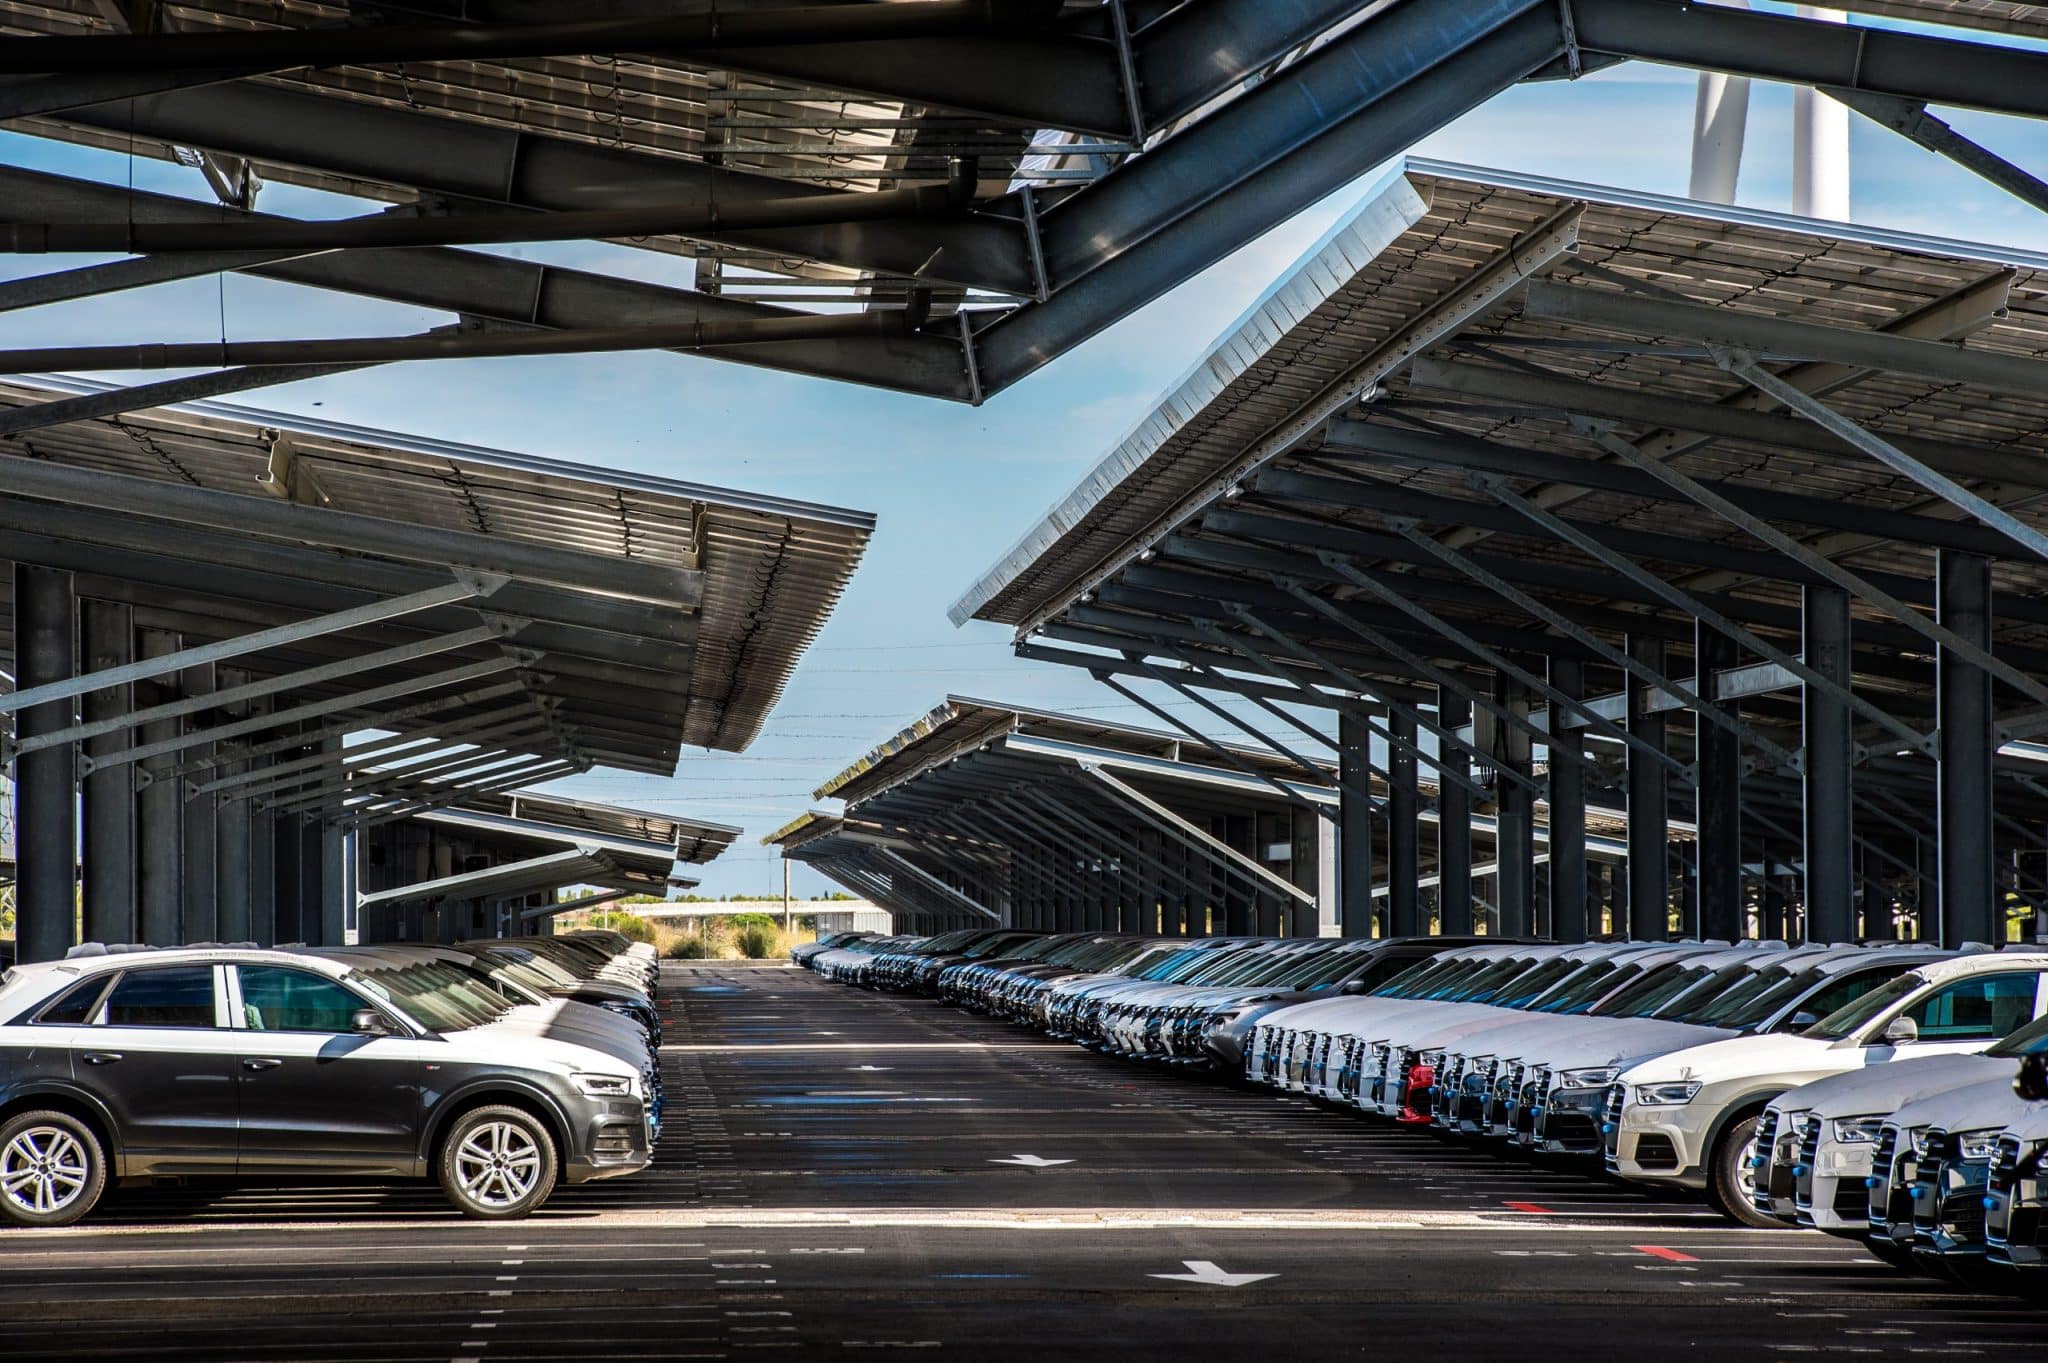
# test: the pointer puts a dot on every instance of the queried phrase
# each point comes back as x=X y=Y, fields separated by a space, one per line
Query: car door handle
x=263 y=1064
x=100 y=1057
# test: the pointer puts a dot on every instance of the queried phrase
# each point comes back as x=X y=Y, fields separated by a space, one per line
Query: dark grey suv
x=269 y=1063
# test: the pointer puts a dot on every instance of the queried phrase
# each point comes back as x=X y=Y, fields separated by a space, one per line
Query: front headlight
x=1667 y=1095
x=1598 y=1078
x=605 y=1085
x=1858 y=1130
x=1977 y=1146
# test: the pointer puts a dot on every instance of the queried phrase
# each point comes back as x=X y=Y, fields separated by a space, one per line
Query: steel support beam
x=1826 y=796
x=514 y=167
x=140 y=397
x=1649 y=890
x=45 y=800
x=1803 y=51
x=245 y=514
x=475 y=284
x=355 y=702
x=107 y=798
x=1567 y=799
x=1386 y=82
x=1684 y=601
x=1257 y=877
x=466 y=587
x=488 y=633
x=939 y=886
x=1717 y=857
x=1631 y=667
x=1887 y=453
x=1970 y=902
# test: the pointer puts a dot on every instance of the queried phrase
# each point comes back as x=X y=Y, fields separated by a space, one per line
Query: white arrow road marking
x=1209 y=1275
x=1031 y=1161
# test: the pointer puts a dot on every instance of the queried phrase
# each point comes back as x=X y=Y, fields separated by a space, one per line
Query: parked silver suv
x=252 y=1062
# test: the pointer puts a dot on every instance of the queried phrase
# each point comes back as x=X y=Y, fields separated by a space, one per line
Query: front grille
x=1809 y=1154
x=1999 y=1189
x=1927 y=1181
x=1883 y=1165
x=1610 y=1119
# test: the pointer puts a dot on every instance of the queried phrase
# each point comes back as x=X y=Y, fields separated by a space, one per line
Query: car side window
x=1982 y=1008
x=76 y=1005
x=173 y=996
x=1846 y=990
x=279 y=999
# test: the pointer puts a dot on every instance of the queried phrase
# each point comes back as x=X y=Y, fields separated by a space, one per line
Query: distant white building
x=831 y=915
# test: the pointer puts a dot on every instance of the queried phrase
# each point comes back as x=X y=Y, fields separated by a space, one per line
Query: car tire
x=498 y=1163
x=52 y=1169
x=1729 y=1176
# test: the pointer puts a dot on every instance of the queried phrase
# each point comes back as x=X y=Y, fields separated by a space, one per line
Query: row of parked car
x=498 y=1068
x=1892 y=1093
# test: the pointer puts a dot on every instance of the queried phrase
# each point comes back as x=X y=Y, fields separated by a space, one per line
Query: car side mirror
x=369 y=1022
x=1902 y=1031
x=2031 y=1083
x=1354 y=987
x=1800 y=1021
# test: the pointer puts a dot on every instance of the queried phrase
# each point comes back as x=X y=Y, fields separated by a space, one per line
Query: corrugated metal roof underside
x=962 y=724
x=773 y=570
x=1744 y=260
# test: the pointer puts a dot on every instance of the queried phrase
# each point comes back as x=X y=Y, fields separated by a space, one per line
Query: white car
x=1815 y=1144
x=1689 y=1118
x=1565 y=1076
x=1933 y=1169
x=2016 y=1198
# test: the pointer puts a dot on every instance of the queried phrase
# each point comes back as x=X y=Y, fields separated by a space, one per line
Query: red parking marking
x=1659 y=1252
x=1529 y=1207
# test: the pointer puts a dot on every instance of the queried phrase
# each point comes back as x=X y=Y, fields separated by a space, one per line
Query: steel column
x=1970 y=903
x=1355 y=814
x=45 y=803
x=159 y=810
x=198 y=893
x=1649 y=890
x=1717 y=860
x=1453 y=834
x=1825 y=770
x=1515 y=818
x=107 y=860
x=1567 y=812
x=1404 y=858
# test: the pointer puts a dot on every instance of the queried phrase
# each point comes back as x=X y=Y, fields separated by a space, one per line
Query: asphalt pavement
x=845 y=1175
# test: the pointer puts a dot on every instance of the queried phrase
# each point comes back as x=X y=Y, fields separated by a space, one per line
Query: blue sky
x=952 y=486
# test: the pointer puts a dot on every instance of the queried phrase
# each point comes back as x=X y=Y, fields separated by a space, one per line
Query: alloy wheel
x=498 y=1165
x=43 y=1170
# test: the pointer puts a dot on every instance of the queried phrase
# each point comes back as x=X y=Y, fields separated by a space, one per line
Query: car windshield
x=1703 y=990
x=1481 y=985
x=1856 y=1013
x=439 y=996
x=1582 y=988
x=1552 y=979
x=1326 y=968
x=1249 y=966
x=1642 y=996
x=1419 y=975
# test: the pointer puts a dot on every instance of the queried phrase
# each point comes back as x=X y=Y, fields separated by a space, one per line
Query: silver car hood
x=1987 y=1103
x=1882 y=1089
